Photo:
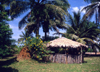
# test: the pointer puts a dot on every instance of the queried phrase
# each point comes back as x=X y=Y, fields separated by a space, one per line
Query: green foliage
x=49 y=38
x=5 y=32
x=81 y=30
x=92 y=9
x=3 y=12
x=37 y=48
x=15 y=49
x=3 y=15
x=5 y=41
x=24 y=36
x=48 y=14
x=90 y=50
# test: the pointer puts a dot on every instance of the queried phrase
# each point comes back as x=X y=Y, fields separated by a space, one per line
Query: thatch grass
x=92 y=64
x=64 y=42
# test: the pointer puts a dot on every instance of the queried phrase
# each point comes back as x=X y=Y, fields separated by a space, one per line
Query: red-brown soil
x=24 y=54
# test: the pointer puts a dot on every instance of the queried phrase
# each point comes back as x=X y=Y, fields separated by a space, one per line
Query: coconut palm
x=81 y=30
x=40 y=11
x=24 y=36
x=47 y=25
x=91 y=9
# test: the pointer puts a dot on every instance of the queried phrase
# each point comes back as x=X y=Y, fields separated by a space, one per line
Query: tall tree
x=81 y=30
x=41 y=11
x=91 y=9
x=5 y=31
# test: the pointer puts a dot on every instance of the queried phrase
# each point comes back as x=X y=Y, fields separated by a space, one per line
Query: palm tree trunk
x=45 y=35
x=37 y=30
x=96 y=17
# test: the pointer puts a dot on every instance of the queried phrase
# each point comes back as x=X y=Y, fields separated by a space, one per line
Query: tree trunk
x=96 y=18
x=81 y=55
x=37 y=28
x=46 y=36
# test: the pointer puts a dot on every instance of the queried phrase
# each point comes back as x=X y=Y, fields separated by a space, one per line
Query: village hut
x=72 y=51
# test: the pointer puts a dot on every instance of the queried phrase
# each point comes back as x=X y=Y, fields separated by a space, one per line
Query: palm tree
x=91 y=9
x=24 y=36
x=81 y=30
x=40 y=12
x=46 y=25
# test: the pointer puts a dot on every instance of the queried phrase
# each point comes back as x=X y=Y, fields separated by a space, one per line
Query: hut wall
x=74 y=59
x=58 y=58
x=62 y=58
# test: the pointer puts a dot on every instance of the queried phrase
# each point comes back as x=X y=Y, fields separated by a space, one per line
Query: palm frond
x=91 y=1
x=17 y=8
x=73 y=36
x=70 y=20
x=77 y=18
x=20 y=39
x=63 y=4
x=23 y=21
x=71 y=30
x=89 y=13
x=31 y=28
x=81 y=40
x=56 y=10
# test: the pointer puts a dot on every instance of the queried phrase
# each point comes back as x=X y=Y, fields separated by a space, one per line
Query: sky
x=75 y=5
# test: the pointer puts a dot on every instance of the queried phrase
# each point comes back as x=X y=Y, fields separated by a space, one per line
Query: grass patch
x=92 y=65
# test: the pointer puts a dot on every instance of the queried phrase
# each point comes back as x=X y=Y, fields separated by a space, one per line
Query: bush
x=37 y=48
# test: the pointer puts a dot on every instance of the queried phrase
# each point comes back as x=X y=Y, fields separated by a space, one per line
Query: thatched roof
x=64 y=42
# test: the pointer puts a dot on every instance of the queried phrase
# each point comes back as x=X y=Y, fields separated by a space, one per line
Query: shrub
x=37 y=48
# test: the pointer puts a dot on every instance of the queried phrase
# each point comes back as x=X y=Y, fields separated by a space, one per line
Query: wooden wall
x=62 y=58
x=74 y=59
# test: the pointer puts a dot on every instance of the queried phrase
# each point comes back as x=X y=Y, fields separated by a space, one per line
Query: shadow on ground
x=8 y=69
x=90 y=55
x=5 y=63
